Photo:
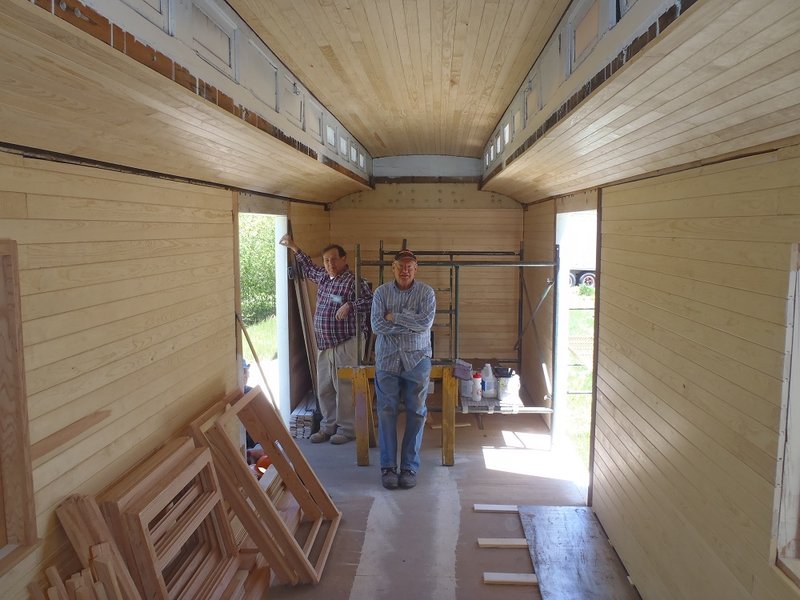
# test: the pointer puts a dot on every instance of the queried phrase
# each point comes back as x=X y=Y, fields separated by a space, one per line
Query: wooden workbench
x=365 y=422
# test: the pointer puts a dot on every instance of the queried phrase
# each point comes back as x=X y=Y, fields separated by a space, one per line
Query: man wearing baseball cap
x=402 y=315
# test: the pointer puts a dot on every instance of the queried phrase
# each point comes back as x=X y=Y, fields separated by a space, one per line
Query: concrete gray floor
x=421 y=543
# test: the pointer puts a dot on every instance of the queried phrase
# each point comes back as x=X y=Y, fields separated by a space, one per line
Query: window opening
x=263 y=303
x=330 y=136
x=532 y=105
x=788 y=544
x=585 y=33
x=214 y=36
x=576 y=234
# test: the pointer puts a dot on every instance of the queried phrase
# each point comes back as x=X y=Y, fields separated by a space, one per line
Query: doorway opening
x=576 y=235
x=263 y=306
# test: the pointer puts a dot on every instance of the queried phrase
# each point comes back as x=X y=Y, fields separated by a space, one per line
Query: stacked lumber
x=301 y=420
x=288 y=515
x=98 y=582
x=168 y=519
x=94 y=544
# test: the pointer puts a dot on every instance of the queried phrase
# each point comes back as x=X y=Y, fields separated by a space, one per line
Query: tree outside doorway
x=258 y=296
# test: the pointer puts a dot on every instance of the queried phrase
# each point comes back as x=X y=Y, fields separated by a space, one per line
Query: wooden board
x=494 y=578
x=86 y=529
x=17 y=512
x=496 y=508
x=571 y=555
x=502 y=543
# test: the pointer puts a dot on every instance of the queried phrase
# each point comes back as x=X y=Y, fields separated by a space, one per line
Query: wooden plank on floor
x=572 y=556
x=510 y=578
x=502 y=543
x=496 y=508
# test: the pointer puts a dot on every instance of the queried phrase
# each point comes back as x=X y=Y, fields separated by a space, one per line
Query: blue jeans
x=411 y=387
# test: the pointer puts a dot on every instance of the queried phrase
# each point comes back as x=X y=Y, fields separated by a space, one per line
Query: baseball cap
x=405 y=254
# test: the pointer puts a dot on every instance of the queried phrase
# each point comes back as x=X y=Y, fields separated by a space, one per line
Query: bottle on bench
x=489 y=382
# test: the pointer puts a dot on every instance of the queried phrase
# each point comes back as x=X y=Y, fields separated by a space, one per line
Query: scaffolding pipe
x=463 y=263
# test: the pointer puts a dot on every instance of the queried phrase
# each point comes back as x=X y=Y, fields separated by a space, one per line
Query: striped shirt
x=331 y=294
x=405 y=340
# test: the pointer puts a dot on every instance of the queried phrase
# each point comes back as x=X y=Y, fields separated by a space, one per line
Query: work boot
x=389 y=478
x=339 y=438
x=319 y=437
x=408 y=479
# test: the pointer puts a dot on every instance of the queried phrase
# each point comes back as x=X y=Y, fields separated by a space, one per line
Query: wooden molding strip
x=67 y=434
x=496 y=508
x=510 y=578
x=502 y=543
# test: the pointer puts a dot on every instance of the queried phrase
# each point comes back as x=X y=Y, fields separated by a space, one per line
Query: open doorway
x=576 y=235
x=264 y=305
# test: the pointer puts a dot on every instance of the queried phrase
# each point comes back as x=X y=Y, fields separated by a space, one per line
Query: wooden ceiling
x=64 y=91
x=723 y=81
x=409 y=77
x=413 y=77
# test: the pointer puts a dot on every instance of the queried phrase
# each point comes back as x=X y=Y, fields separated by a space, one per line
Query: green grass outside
x=577 y=412
x=581 y=323
x=264 y=336
x=578 y=416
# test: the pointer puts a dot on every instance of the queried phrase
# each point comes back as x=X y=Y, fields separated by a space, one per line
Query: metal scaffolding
x=452 y=311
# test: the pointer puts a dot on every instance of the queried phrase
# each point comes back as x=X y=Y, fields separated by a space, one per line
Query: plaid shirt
x=406 y=340
x=331 y=294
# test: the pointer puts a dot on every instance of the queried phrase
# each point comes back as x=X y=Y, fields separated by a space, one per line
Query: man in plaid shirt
x=335 y=332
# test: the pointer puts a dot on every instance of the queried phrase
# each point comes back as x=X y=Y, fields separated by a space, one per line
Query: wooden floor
x=422 y=543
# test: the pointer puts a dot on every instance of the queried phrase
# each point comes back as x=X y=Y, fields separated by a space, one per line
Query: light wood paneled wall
x=540 y=240
x=452 y=217
x=310 y=227
x=127 y=296
x=692 y=347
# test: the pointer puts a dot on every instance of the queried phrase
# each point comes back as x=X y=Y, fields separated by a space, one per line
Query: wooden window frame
x=17 y=510
x=227 y=26
x=534 y=89
x=164 y=18
x=576 y=22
